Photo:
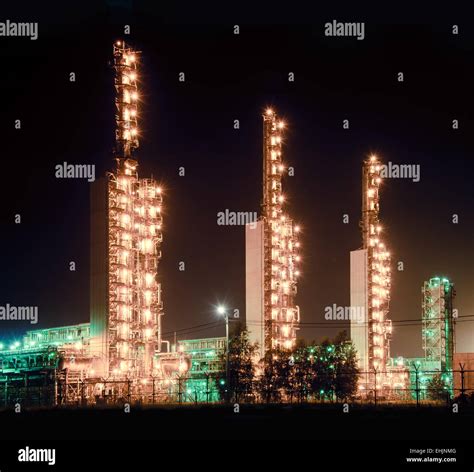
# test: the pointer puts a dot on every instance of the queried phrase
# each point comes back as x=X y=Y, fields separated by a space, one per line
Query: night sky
x=190 y=125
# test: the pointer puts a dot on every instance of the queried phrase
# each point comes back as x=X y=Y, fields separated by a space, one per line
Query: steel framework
x=438 y=321
x=378 y=267
x=378 y=284
x=135 y=221
x=281 y=314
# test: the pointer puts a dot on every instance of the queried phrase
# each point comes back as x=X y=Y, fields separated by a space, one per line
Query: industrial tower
x=370 y=290
x=125 y=326
x=438 y=321
x=118 y=354
x=272 y=254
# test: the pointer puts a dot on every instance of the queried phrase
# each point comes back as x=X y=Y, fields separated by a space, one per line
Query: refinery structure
x=126 y=306
x=120 y=355
x=438 y=338
x=370 y=291
x=438 y=321
x=272 y=254
x=370 y=282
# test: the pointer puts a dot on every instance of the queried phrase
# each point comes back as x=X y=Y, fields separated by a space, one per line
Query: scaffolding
x=281 y=314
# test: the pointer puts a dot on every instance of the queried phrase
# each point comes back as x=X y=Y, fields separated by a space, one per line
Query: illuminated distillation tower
x=281 y=315
x=135 y=307
x=378 y=269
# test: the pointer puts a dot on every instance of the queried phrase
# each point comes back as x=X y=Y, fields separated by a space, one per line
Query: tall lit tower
x=378 y=267
x=272 y=254
x=370 y=287
x=125 y=329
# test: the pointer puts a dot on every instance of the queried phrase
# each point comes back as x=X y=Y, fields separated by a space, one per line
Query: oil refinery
x=120 y=355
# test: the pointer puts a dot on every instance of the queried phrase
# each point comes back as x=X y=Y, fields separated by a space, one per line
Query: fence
x=54 y=389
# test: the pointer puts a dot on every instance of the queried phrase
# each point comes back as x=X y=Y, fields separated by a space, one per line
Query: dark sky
x=190 y=124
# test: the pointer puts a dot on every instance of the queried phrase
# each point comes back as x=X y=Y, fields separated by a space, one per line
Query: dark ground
x=252 y=422
x=366 y=438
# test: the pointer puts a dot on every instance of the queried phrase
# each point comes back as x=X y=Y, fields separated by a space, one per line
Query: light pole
x=221 y=310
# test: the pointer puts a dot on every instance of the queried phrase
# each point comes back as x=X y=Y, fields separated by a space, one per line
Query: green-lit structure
x=206 y=369
x=74 y=336
x=29 y=375
x=47 y=365
x=438 y=322
x=437 y=335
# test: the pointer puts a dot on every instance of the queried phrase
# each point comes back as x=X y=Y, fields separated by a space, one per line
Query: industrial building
x=370 y=290
x=206 y=370
x=370 y=293
x=271 y=254
x=438 y=322
x=118 y=355
x=126 y=305
x=74 y=337
x=438 y=340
